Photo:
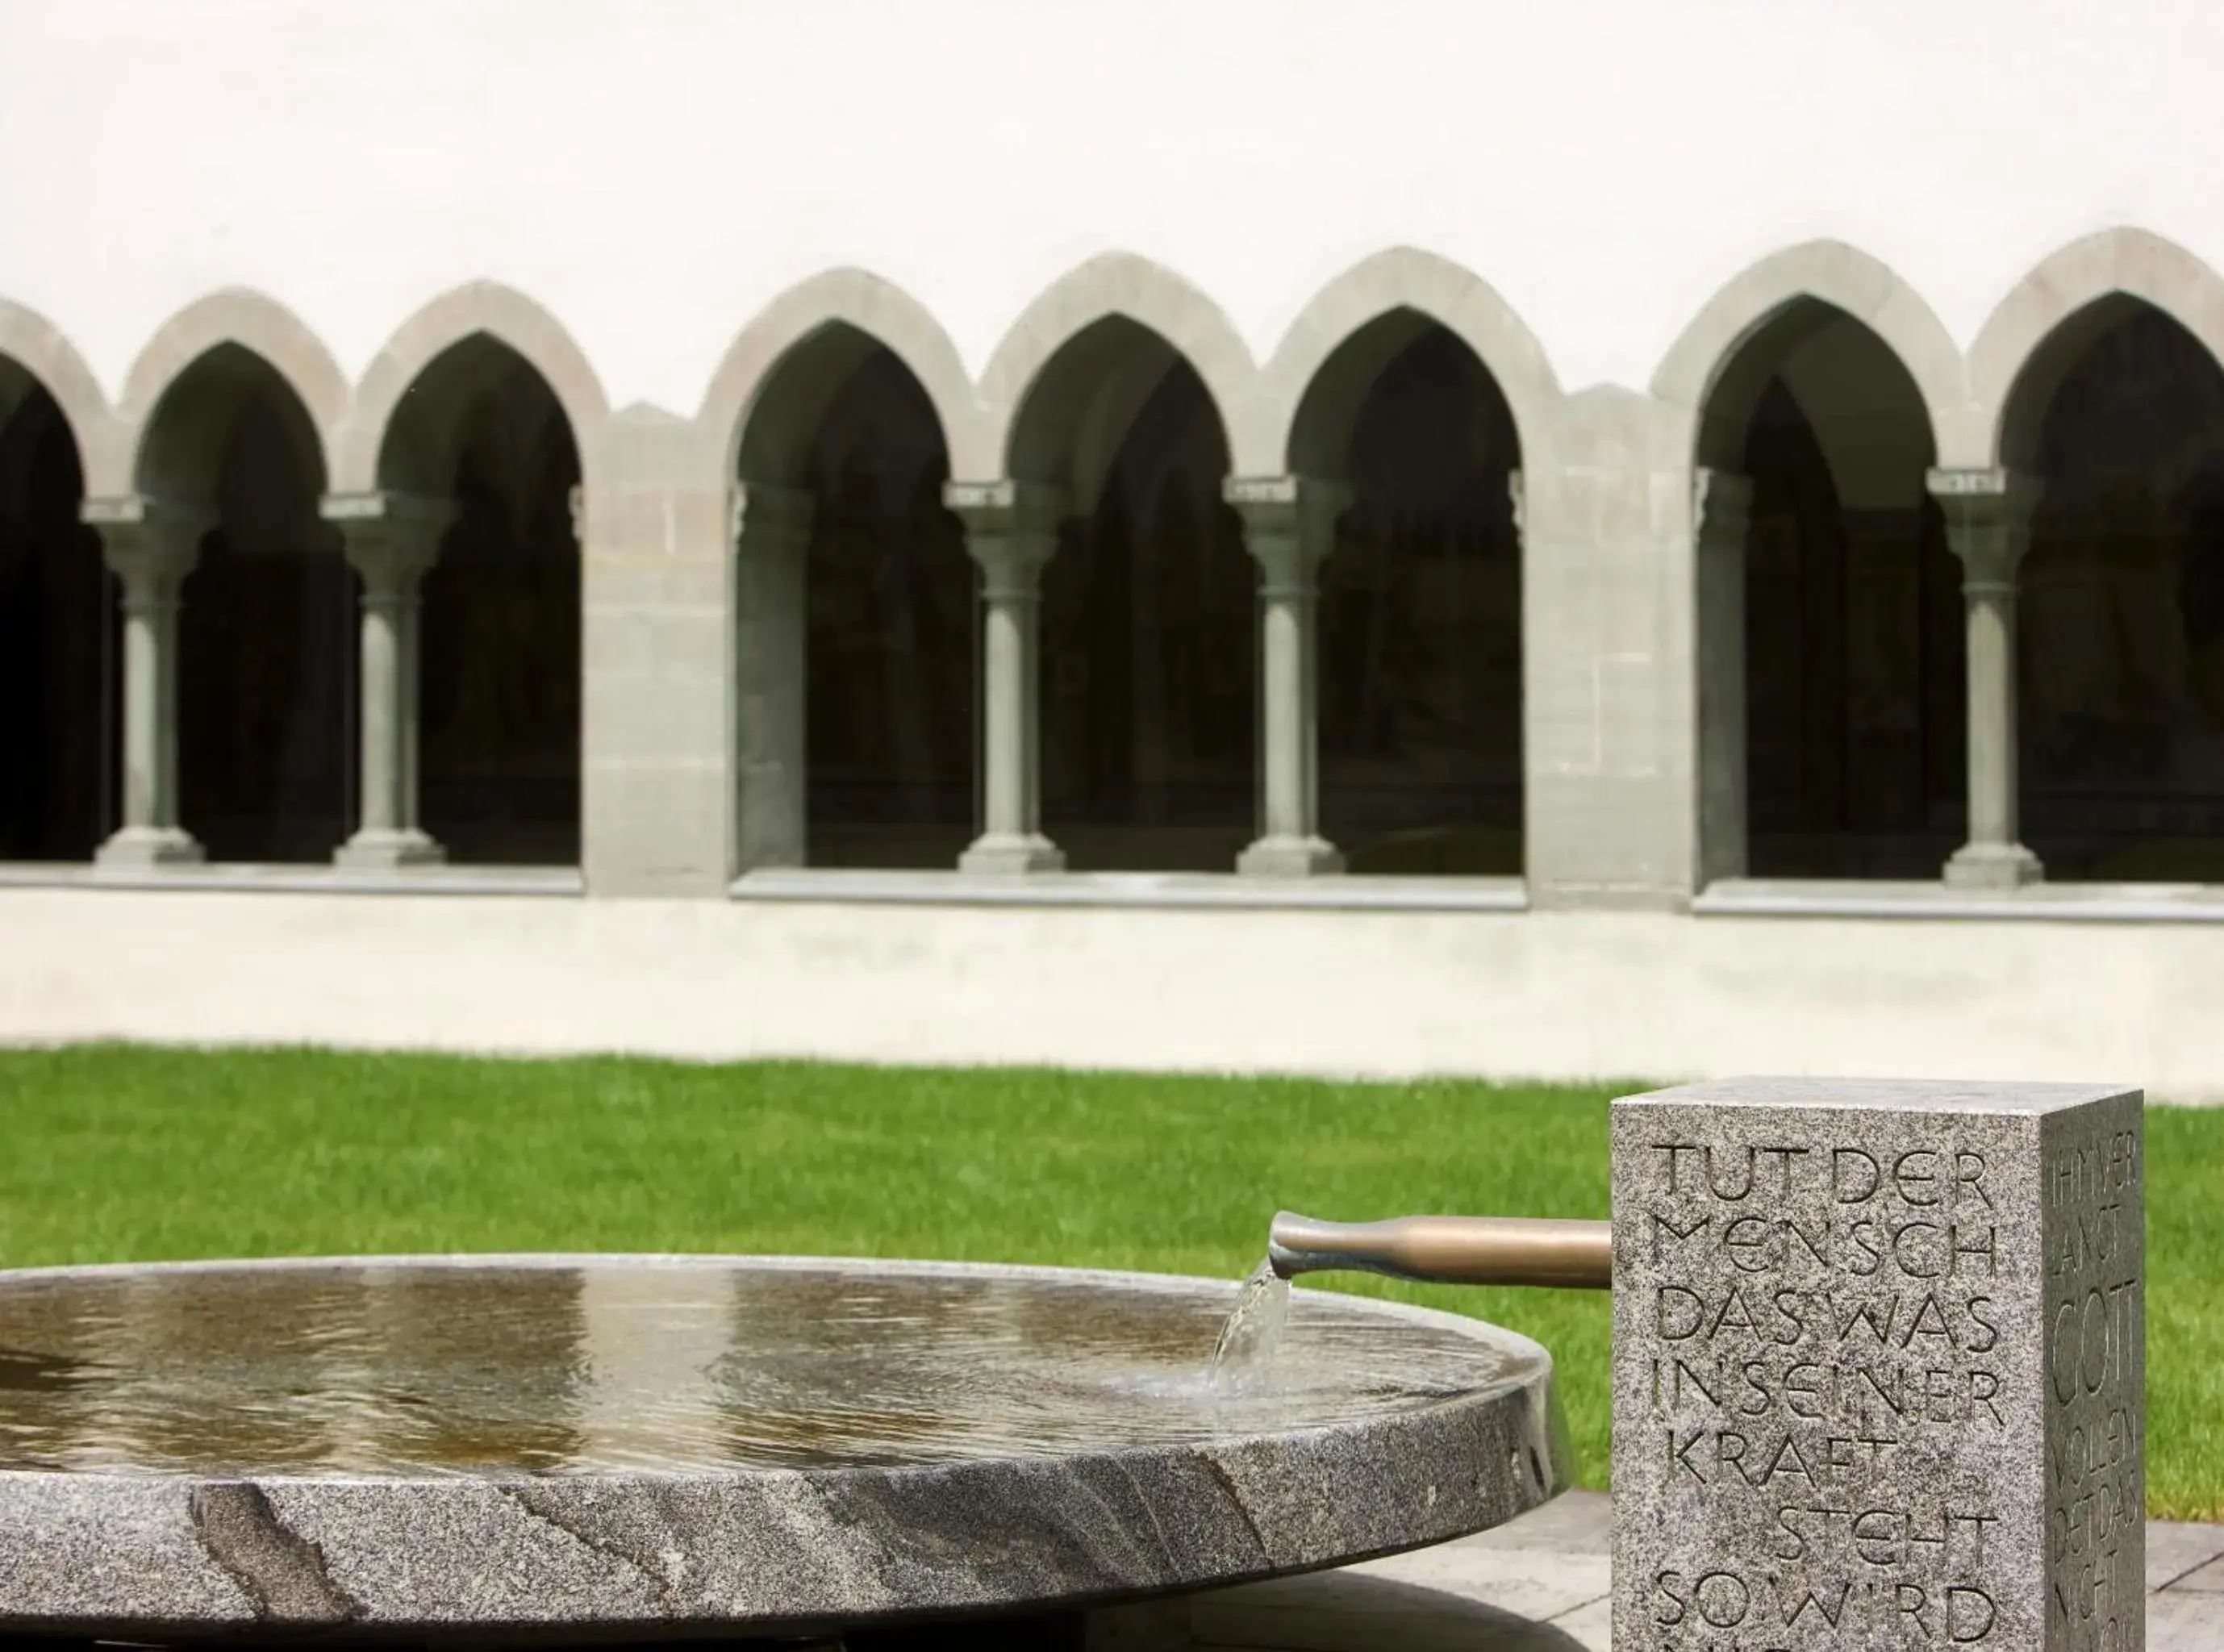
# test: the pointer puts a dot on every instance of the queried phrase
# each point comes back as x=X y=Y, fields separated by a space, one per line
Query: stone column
x=1011 y=529
x=772 y=547
x=1289 y=525
x=1988 y=528
x=1721 y=506
x=1879 y=1366
x=389 y=540
x=151 y=545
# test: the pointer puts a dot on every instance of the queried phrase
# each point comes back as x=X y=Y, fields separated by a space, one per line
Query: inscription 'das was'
x=1879 y=1361
x=1817 y=1312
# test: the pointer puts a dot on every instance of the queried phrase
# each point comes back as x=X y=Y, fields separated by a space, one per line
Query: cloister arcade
x=1129 y=603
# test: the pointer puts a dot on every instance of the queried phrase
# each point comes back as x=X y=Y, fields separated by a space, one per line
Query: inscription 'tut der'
x=1923 y=1178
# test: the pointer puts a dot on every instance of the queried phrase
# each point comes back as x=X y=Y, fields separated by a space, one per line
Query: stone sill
x=302 y=878
x=2056 y=903
x=1160 y=891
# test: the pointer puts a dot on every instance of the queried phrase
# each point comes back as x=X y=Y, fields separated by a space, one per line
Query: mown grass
x=111 y=1153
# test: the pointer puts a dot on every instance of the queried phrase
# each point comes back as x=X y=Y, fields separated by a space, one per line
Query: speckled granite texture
x=127 y=1520
x=1878 y=1367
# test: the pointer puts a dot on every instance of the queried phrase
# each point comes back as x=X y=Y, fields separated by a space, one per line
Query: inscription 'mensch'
x=1921 y=1214
x=1818 y=1311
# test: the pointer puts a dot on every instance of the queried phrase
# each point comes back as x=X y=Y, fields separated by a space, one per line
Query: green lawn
x=112 y=1154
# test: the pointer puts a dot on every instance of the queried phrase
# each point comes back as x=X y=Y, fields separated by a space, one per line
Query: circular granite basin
x=610 y=1447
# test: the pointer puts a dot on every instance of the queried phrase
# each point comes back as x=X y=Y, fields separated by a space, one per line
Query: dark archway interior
x=1853 y=667
x=266 y=644
x=1420 y=627
x=1149 y=695
x=59 y=654
x=2121 y=662
x=499 y=682
x=890 y=709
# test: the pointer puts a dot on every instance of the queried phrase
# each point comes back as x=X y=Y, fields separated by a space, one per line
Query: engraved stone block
x=1878 y=1367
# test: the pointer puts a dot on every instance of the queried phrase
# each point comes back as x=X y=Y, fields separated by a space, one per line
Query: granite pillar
x=772 y=545
x=1289 y=525
x=390 y=540
x=1878 y=1367
x=1988 y=528
x=1721 y=508
x=150 y=544
x=1011 y=529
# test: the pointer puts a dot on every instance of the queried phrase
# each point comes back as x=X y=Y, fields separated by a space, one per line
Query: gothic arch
x=757 y=371
x=32 y=347
x=1016 y=387
x=487 y=308
x=234 y=319
x=2038 y=330
x=1402 y=279
x=1703 y=374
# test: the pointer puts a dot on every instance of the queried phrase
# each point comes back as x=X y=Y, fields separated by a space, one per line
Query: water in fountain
x=1252 y=1332
x=596 y=1365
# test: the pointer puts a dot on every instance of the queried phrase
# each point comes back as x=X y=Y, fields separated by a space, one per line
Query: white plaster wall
x=654 y=171
x=1577 y=995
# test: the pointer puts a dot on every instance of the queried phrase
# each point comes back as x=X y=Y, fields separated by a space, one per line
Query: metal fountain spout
x=1450 y=1250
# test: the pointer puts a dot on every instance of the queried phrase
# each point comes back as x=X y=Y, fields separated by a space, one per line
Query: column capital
x=1006 y=507
x=1302 y=505
x=767 y=518
x=1988 y=523
x=1289 y=525
x=148 y=541
x=1011 y=530
x=390 y=539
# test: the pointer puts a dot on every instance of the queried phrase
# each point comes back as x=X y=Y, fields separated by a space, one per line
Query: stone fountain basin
x=618 y=1445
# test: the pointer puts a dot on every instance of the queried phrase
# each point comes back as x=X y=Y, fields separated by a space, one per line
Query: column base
x=1290 y=857
x=1993 y=865
x=135 y=847
x=388 y=849
x=1007 y=854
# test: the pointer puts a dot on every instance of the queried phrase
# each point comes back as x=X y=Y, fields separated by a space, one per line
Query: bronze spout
x=1450 y=1250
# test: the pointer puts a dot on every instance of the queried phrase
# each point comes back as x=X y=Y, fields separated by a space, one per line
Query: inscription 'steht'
x=1877 y=1368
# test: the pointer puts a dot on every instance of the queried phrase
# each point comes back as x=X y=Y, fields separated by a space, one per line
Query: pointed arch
x=34 y=347
x=1787 y=291
x=1358 y=302
x=1110 y=288
x=2036 y=333
x=233 y=323
x=852 y=301
x=477 y=309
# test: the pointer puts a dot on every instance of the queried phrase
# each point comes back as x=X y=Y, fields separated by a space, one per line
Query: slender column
x=151 y=545
x=772 y=545
x=1988 y=528
x=1011 y=529
x=1721 y=508
x=389 y=540
x=1289 y=525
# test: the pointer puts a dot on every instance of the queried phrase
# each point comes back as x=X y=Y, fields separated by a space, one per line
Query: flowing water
x=1243 y=1358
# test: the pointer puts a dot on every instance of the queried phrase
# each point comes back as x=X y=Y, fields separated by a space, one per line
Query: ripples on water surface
x=675 y=1366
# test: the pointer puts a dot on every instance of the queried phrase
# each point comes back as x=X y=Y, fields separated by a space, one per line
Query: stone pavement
x=1541 y=1583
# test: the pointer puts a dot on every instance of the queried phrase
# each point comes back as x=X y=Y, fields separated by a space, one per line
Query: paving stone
x=2175 y=1548
x=2203 y=1581
x=2182 y=1622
